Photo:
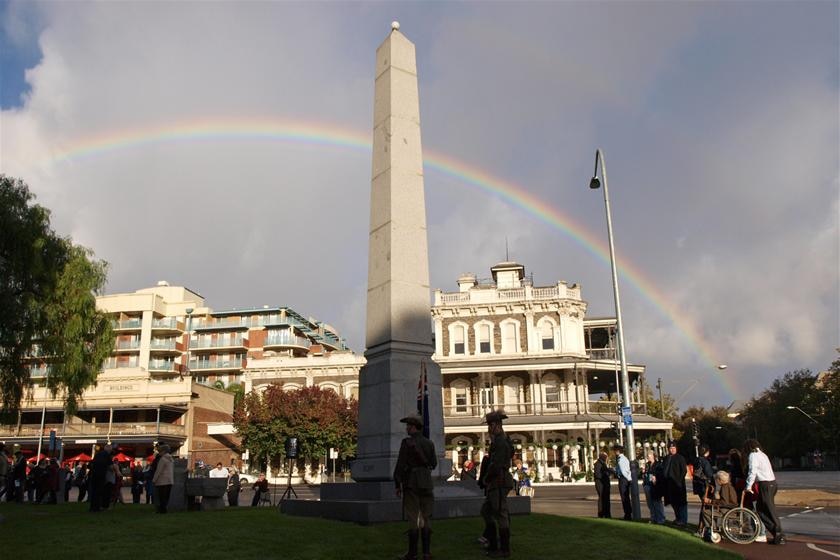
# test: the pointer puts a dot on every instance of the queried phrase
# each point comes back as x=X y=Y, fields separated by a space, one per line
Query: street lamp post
x=186 y=368
x=629 y=439
x=811 y=418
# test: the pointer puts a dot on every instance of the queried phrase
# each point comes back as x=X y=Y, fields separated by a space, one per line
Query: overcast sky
x=719 y=122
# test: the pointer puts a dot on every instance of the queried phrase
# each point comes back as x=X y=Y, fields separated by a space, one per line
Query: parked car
x=247 y=479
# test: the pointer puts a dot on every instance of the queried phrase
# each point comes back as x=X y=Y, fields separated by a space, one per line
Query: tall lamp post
x=629 y=437
x=186 y=368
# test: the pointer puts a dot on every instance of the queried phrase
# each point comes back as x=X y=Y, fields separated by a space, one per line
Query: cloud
x=719 y=124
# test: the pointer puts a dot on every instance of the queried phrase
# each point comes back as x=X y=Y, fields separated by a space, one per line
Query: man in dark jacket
x=602 y=474
x=413 y=479
x=19 y=475
x=498 y=483
x=703 y=476
x=674 y=471
x=98 y=469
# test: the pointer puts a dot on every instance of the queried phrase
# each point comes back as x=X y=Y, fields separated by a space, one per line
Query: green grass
x=69 y=531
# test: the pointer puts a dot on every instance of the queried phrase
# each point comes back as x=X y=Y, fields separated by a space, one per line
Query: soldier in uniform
x=413 y=478
x=497 y=482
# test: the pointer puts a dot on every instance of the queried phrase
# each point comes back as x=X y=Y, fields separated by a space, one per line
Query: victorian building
x=532 y=351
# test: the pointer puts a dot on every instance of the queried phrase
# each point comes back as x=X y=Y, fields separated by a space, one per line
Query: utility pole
x=661 y=402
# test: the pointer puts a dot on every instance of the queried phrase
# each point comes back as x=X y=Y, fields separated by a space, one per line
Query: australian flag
x=423 y=398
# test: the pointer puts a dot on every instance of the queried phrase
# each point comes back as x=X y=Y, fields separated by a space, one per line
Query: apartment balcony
x=495 y=295
x=38 y=373
x=163 y=366
x=167 y=324
x=279 y=341
x=102 y=429
x=114 y=363
x=218 y=364
x=219 y=324
x=278 y=321
x=127 y=325
x=232 y=343
x=164 y=346
x=127 y=346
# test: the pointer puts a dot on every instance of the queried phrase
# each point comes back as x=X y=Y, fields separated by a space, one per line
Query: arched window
x=458 y=338
x=510 y=337
x=546 y=330
x=484 y=337
x=551 y=388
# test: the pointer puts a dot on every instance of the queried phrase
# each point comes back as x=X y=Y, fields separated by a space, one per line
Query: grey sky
x=719 y=122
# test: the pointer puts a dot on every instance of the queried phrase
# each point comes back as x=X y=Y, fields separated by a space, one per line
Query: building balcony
x=127 y=325
x=163 y=366
x=285 y=341
x=217 y=364
x=219 y=324
x=601 y=353
x=495 y=295
x=613 y=407
x=101 y=429
x=237 y=342
x=169 y=324
x=127 y=346
x=114 y=363
x=39 y=372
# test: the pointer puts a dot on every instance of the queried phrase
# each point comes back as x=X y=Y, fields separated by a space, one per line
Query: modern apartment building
x=504 y=343
x=172 y=357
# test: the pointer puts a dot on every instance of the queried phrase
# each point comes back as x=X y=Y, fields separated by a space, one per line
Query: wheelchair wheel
x=740 y=525
x=715 y=537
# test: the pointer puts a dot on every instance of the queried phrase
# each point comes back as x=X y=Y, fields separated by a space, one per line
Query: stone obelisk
x=398 y=334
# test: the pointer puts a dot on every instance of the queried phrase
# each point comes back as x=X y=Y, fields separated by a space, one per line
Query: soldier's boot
x=426 y=539
x=504 y=536
x=413 y=534
x=492 y=542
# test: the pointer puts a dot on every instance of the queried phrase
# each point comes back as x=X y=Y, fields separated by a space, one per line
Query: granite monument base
x=376 y=502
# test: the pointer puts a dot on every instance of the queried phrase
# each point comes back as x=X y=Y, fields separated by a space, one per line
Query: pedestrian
x=149 y=475
x=759 y=470
x=19 y=478
x=728 y=499
x=99 y=467
x=234 y=486
x=137 y=482
x=701 y=480
x=81 y=479
x=737 y=476
x=260 y=487
x=498 y=483
x=219 y=472
x=674 y=471
x=622 y=472
x=413 y=479
x=602 y=474
x=50 y=477
x=4 y=472
x=653 y=493
x=37 y=482
x=163 y=478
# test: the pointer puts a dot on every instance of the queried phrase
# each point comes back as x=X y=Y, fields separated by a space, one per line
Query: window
x=547 y=335
x=458 y=336
x=510 y=336
x=552 y=392
x=460 y=398
x=513 y=386
x=488 y=397
x=484 y=339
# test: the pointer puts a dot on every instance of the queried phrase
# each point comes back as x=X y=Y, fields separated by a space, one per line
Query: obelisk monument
x=399 y=333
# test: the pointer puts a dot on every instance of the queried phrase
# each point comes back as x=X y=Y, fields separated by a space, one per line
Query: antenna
x=507 y=254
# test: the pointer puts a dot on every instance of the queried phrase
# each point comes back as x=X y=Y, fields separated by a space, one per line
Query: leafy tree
x=713 y=428
x=47 y=288
x=319 y=418
x=654 y=405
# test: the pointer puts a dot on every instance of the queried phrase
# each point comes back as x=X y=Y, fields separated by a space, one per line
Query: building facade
x=530 y=350
x=164 y=380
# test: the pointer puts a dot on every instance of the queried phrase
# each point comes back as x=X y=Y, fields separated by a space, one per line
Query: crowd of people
x=664 y=484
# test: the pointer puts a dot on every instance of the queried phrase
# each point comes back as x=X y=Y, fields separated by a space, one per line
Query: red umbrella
x=150 y=458
x=77 y=458
x=35 y=460
x=122 y=457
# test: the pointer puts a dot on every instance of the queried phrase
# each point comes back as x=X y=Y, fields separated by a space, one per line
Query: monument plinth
x=399 y=333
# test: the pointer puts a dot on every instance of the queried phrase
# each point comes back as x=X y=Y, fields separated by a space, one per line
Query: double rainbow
x=308 y=132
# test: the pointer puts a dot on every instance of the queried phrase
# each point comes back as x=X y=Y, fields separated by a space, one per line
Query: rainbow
x=308 y=132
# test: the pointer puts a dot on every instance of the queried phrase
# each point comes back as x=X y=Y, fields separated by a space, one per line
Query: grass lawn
x=132 y=531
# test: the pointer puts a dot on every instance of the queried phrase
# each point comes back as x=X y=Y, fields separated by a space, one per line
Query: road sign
x=627 y=415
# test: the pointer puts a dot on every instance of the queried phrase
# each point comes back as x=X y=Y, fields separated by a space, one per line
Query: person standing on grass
x=4 y=471
x=499 y=483
x=602 y=474
x=413 y=479
x=652 y=488
x=703 y=477
x=136 y=482
x=163 y=478
x=622 y=472
x=233 y=487
x=98 y=471
x=260 y=488
x=19 y=475
x=674 y=471
x=759 y=470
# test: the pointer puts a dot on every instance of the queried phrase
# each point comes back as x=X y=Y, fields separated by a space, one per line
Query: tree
x=654 y=405
x=318 y=418
x=47 y=288
x=712 y=427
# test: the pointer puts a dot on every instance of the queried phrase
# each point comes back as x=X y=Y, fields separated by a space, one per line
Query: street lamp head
x=791 y=407
x=595 y=183
x=722 y=367
x=189 y=310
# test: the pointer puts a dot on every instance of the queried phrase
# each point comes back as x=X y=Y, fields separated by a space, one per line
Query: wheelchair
x=739 y=524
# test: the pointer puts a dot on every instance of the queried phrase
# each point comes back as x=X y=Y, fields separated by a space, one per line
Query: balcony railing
x=492 y=294
x=113 y=363
x=232 y=342
x=126 y=324
x=601 y=353
x=127 y=345
x=612 y=407
x=163 y=344
x=76 y=430
x=287 y=340
x=163 y=366
x=219 y=323
x=232 y=363
x=606 y=408
x=167 y=323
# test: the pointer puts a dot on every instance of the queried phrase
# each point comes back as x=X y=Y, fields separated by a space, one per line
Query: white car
x=245 y=478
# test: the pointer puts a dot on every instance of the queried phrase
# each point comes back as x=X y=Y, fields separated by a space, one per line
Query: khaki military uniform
x=412 y=474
